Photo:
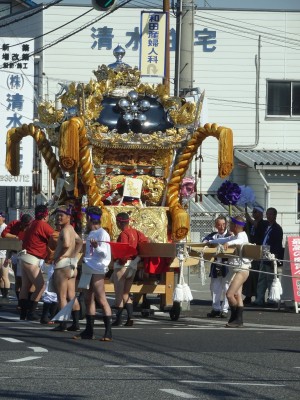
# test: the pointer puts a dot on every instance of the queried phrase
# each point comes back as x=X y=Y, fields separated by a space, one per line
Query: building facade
x=246 y=61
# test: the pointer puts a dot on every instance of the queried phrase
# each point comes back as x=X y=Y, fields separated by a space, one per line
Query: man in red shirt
x=124 y=269
x=15 y=230
x=35 y=242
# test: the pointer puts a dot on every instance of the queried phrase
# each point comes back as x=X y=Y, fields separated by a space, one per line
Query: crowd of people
x=46 y=268
x=235 y=281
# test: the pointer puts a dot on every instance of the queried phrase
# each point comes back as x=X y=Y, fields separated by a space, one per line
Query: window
x=5 y=9
x=283 y=98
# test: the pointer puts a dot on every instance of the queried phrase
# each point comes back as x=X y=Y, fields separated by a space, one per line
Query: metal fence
x=202 y=223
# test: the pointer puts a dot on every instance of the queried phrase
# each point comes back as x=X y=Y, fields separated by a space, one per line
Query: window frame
x=289 y=116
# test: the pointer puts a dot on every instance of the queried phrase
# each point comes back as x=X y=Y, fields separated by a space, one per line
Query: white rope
x=252 y=270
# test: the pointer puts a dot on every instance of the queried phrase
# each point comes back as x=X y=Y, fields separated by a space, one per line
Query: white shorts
x=67 y=262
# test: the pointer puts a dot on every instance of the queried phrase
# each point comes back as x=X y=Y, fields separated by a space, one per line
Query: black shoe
x=44 y=321
x=247 y=300
x=84 y=336
x=129 y=322
x=73 y=328
x=117 y=323
x=60 y=328
x=224 y=315
x=32 y=316
x=214 y=314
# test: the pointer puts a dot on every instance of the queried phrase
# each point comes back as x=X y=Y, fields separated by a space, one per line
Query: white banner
x=16 y=102
x=153 y=43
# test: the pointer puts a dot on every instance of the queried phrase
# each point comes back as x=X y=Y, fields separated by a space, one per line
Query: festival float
x=124 y=145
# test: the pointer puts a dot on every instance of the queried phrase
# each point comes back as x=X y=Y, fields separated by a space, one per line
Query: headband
x=235 y=221
x=94 y=216
x=120 y=219
x=67 y=212
x=42 y=214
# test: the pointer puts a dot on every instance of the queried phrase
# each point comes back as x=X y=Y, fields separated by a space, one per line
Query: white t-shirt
x=2 y=252
x=240 y=238
x=98 y=258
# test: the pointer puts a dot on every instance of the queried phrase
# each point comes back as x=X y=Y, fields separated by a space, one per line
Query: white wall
x=227 y=74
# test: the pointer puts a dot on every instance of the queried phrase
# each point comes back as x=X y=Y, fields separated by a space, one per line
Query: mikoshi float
x=123 y=145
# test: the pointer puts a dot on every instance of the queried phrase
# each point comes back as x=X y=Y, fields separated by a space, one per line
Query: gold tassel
x=12 y=161
x=225 y=159
x=69 y=145
x=180 y=222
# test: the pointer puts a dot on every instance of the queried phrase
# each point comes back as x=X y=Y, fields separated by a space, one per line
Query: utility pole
x=184 y=68
x=166 y=9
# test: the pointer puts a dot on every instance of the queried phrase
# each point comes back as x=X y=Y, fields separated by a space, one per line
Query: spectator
x=35 y=242
x=273 y=237
x=96 y=261
x=219 y=282
x=125 y=269
x=256 y=227
x=239 y=272
x=15 y=230
x=66 y=256
x=4 y=278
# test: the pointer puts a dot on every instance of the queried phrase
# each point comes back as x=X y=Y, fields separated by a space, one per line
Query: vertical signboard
x=153 y=43
x=291 y=271
x=16 y=102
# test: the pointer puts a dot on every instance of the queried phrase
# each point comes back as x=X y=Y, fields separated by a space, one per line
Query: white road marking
x=39 y=349
x=152 y=366
x=186 y=324
x=11 y=340
x=232 y=383
x=24 y=359
x=178 y=394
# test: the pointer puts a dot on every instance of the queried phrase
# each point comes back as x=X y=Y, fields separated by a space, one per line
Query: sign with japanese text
x=102 y=38
x=294 y=253
x=16 y=101
x=153 y=43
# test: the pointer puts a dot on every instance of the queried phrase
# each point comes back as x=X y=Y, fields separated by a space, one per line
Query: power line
x=81 y=28
x=244 y=32
x=55 y=29
x=249 y=23
x=40 y=8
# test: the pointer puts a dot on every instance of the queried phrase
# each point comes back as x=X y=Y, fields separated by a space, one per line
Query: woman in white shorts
x=239 y=271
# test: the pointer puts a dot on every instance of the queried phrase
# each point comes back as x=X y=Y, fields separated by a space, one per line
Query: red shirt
x=15 y=228
x=36 y=238
x=133 y=237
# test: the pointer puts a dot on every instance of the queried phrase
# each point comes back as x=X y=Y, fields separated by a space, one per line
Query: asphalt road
x=192 y=358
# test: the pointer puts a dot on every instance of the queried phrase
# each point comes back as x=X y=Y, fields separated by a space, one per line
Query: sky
x=237 y=4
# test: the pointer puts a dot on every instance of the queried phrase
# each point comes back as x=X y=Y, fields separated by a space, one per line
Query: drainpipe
x=267 y=187
x=257 y=95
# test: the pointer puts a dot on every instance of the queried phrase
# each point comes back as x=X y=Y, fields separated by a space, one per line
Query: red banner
x=294 y=251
